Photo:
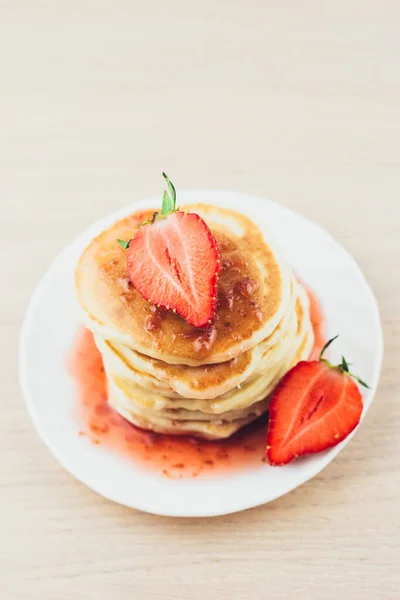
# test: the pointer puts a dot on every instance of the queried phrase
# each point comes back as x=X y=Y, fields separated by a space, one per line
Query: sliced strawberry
x=174 y=262
x=315 y=407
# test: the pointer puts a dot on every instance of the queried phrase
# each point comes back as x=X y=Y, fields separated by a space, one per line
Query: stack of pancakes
x=169 y=377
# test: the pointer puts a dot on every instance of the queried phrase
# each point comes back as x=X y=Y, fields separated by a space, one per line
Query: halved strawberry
x=174 y=262
x=315 y=407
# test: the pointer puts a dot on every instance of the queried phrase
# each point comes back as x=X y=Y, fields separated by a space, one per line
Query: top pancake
x=253 y=294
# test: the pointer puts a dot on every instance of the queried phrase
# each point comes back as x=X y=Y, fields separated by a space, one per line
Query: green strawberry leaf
x=167 y=205
x=344 y=365
x=171 y=188
x=360 y=381
x=123 y=244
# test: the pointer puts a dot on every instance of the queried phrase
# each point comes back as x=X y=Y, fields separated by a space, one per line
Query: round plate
x=52 y=322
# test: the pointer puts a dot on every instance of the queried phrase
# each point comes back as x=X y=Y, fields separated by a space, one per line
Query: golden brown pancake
x=205 y=381
x=294 y=346
x=253 y=294
x=189 y=416
x=170 y=377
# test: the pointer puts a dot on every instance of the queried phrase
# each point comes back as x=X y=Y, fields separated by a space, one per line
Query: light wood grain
x=296 y=101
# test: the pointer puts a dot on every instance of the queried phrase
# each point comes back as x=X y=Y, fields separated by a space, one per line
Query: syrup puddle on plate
x=175 y=457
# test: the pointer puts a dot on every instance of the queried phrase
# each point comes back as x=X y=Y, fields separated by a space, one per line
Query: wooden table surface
x=294 y=101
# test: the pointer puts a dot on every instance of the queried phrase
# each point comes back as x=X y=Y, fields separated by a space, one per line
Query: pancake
x=238 y=398
x=191 y=419
x=194 y=382
x=251 y=399
x=202 y=429
x=254 y=294
x=182 y=414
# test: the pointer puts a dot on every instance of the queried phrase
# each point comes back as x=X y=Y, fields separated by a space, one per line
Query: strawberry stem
x=328 y=343
x=149 y=221
x=343 y=366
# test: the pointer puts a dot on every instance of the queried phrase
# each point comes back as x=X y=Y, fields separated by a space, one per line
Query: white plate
x=52 y=321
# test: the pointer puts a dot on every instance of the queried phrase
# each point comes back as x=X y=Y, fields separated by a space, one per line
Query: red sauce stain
x=206 y=340
x=318 y=323
x=174 y=457
x=154 y=320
